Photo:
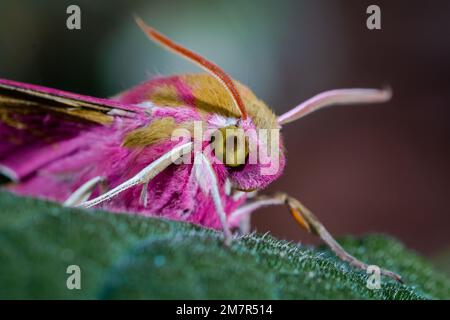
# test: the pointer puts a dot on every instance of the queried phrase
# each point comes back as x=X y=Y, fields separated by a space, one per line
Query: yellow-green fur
x=210 y=97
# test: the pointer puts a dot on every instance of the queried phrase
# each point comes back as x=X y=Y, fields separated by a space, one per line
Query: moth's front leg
x=83 y=192
x=207 y=180
x=244 y=223
x=309 y=222
x=141 y=178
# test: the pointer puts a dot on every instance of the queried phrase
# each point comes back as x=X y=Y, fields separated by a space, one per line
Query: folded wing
x=39 y=125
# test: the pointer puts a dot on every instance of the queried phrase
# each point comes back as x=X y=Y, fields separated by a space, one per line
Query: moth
x=120 y=154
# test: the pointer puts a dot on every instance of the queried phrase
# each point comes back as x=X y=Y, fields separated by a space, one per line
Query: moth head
x=264 y=158
x=238 y=145
x=252 y=174
x=252 y=157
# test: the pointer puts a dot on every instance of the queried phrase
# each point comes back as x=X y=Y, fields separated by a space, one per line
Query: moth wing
x=17 y=97
x=39 y=124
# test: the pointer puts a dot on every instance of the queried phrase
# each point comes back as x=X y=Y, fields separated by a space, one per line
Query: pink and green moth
x=118 y=153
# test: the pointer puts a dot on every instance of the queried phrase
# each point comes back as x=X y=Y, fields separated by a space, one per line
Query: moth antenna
x=335 y=97
x=209 y=66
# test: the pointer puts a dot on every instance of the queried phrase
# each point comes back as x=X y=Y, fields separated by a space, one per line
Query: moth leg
x=144 y=194
x=245 y=224
x=144 y=175
x=245 y=211
x=308 y=221
x=83 y=192
x=207 y=180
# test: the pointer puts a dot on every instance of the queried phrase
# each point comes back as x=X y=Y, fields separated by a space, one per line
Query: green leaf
x=129 y=256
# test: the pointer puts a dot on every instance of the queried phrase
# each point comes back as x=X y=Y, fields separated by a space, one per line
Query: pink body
x=76 y=152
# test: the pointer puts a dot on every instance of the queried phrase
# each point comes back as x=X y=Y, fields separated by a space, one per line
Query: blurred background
x=375 y=168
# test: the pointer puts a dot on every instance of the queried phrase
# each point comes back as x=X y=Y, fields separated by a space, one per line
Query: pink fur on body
x=79 y=152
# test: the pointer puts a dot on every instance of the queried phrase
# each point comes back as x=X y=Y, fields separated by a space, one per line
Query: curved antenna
x=209 y=66
x=335 y=97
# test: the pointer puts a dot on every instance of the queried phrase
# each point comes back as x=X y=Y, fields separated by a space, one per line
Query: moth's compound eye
x=230 y=146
